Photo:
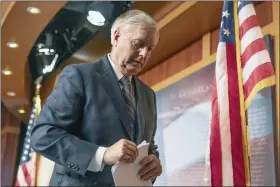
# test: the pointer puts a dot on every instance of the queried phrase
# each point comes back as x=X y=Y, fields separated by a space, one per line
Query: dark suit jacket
x=86 y=110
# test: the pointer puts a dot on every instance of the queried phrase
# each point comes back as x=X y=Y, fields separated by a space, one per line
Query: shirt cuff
x=96 y=164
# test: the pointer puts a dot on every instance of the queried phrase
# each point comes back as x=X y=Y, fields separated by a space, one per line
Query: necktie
x=130 y=103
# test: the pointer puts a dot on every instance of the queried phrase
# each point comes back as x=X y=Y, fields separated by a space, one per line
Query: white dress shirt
x=96 y=164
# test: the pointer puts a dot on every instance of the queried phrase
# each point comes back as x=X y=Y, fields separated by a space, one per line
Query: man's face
x=133 y=46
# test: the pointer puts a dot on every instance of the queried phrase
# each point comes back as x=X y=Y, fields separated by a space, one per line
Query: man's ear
x=116 y=37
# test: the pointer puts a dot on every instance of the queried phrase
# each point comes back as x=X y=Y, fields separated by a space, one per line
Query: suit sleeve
x=153 y=147
x=53 y=134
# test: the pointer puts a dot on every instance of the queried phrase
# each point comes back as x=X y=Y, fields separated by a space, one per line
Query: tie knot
x=125 y=82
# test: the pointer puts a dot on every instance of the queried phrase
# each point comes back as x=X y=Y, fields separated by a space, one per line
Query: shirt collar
x=117 y=72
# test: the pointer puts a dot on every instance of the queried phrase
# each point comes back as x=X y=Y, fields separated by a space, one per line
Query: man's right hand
x=123 y=150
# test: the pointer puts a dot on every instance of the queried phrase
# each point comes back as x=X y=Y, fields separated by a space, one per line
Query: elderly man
x=99 y=112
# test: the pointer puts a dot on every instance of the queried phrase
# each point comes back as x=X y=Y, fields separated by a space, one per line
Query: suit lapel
x=140 y=95
x=111 y=85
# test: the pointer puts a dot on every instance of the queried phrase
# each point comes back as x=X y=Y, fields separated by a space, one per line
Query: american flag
x=243 y=67
x=26 y=175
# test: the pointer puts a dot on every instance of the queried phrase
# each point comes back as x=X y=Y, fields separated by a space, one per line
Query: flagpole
x=37 y=101
x=242 y=101
x=27 y=171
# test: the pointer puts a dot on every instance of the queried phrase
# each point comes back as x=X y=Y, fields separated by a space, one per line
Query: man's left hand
x=150 y=168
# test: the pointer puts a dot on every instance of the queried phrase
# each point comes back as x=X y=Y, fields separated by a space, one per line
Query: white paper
x=125 y=174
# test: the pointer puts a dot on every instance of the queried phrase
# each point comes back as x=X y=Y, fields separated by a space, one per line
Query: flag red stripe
x=235 y=119
x=215 y=141
x=26 y=174
x=17 y=183
x=261 y=72
x=247 y=24
x=256 y=46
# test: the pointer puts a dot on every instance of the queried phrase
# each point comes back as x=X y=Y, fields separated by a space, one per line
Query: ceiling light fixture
x=50 y=67
x=44 y=50
x=12 y=44
x=12 y=94
x=21 y=110
x=96 y=18
x=7 y=71
x=33 y=10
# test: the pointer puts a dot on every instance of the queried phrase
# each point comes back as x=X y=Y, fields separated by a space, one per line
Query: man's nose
x=144 y=52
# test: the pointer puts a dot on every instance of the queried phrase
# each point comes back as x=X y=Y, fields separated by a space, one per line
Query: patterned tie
x=130 y=103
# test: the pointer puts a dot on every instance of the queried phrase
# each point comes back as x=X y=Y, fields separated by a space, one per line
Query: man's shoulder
x=84 y=68
x=144 y=85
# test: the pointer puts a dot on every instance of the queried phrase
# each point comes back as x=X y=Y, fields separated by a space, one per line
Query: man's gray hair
x=133 y=17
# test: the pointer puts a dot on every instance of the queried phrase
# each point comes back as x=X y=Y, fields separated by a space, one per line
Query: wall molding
x=7 y=10
x=10 y=130
x=185 y=72
x=175 y=13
